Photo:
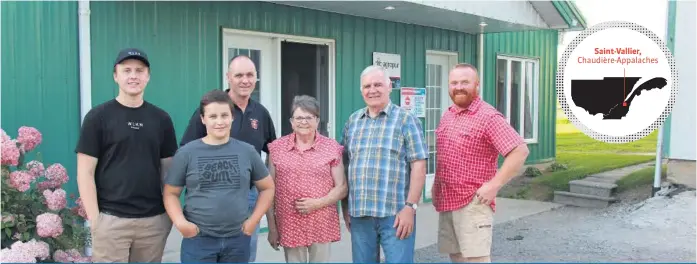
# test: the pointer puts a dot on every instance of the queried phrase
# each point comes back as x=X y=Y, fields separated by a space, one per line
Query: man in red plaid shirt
x=469 y=139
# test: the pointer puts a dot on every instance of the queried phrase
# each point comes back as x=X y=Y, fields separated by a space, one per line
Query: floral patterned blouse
x=305 y=174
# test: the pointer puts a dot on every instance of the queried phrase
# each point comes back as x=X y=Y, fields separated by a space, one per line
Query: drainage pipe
x=83 y=11
x=481 y=56
x=670 y=17
x=85 y=58
x=659 y=164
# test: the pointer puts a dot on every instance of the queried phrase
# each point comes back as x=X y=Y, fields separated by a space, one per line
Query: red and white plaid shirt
x=468 y=143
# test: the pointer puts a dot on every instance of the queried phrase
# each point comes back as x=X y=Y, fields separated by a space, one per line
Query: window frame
x=521 y=106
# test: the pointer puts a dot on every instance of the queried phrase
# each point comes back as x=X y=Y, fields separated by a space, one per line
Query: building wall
x=183 y=40
x=683 y=123
x=40 y=77
x=681 y=132
x=540 y=45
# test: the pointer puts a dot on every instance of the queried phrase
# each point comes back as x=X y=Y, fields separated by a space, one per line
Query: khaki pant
x=467 y=230
x=116 y=239
x=317 y=253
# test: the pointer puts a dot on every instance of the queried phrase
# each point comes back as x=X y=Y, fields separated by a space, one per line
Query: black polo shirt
x=253 y=126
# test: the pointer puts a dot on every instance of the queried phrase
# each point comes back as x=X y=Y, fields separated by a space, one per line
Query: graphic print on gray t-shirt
x=219 y=172
x=217 y=180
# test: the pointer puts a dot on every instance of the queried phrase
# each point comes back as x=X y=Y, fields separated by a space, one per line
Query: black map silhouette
x=605 y=96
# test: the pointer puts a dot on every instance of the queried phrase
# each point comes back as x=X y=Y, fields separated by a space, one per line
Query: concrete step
x=582 y=200
x=600 y=179
x=595 y=188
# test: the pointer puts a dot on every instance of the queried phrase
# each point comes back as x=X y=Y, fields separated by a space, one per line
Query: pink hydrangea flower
x=55 y=200
x=35 y=168
x=9 y=153
x=29 y=138
x=57 y=174
x=70 y=256
x=33 y=248
x=21 y=180
x=49 y=225
x=80 y=208
x=45 y=185
x=8 y=219
x=10 y=255
x=3 y=136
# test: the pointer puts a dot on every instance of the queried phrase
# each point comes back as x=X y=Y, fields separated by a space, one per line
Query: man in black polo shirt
x=252 y=123
x=124 y=149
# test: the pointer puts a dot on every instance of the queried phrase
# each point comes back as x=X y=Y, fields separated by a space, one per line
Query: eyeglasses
x=300 y=119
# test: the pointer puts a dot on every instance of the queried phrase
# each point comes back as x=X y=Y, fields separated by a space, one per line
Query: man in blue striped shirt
x=386 y=155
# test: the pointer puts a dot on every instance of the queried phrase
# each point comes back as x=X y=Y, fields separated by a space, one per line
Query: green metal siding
x=183 y=40
x=670 y=36
x=540 y=44
x=40 y=78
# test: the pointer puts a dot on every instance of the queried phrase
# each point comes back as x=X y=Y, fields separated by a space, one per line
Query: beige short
x=116 y=239
x=316 y=253
x=467 y=230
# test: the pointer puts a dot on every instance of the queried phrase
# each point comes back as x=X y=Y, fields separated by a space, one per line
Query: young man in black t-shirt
x=125 y=148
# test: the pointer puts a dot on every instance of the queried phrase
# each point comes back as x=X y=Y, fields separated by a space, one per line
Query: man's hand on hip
x=487 y=193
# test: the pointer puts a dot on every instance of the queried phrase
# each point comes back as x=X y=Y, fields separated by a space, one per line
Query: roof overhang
x=462 y=16
x=566 y=10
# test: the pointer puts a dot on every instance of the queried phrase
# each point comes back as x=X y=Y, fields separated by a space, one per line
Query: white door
x=260 y=50
x=437 y=101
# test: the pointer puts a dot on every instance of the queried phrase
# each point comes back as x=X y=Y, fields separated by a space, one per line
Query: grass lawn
x=570 y=139
x=638 y=178
x=584 y=156
x=581 y=165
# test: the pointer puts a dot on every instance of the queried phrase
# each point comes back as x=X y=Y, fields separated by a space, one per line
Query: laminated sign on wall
x=414 y=100
x=392 y=63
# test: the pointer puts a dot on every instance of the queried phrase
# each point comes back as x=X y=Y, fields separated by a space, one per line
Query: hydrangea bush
x=37 y=225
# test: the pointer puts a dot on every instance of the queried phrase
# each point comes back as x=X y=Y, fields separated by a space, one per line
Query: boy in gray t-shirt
x=218 y=172
x=216 y=177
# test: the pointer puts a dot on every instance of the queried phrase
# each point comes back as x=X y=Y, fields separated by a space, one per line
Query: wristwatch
x=413 y=206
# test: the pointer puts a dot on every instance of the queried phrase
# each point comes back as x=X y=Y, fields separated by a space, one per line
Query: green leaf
x=8 y=232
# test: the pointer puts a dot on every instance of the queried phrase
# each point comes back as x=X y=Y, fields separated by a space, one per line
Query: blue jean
x=365 y=232
x=253 y=195
x=204 y=248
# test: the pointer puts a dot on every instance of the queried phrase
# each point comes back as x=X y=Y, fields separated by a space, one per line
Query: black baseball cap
x=132 y=53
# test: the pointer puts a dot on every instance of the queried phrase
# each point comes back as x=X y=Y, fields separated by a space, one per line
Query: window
x=517 y=89
x=437 y=102
x=434 y=110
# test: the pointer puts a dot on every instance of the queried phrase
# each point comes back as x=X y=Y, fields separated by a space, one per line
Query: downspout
x=83 y=10
x=85 y=58
x=481 y=57
x=659 y=164
x=658 y=169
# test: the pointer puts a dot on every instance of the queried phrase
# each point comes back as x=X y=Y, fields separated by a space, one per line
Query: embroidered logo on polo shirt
x=255 y=123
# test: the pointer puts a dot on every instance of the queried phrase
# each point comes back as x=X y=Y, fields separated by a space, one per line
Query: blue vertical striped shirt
x=380 y=151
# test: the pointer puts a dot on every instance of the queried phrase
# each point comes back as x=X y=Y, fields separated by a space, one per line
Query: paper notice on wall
x=392 y=63
x=414 y=100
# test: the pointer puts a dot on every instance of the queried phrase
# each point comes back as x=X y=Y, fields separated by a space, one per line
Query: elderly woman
x=308 y=172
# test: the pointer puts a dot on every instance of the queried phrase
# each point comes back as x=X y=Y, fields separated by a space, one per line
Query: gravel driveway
x=660 y=229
